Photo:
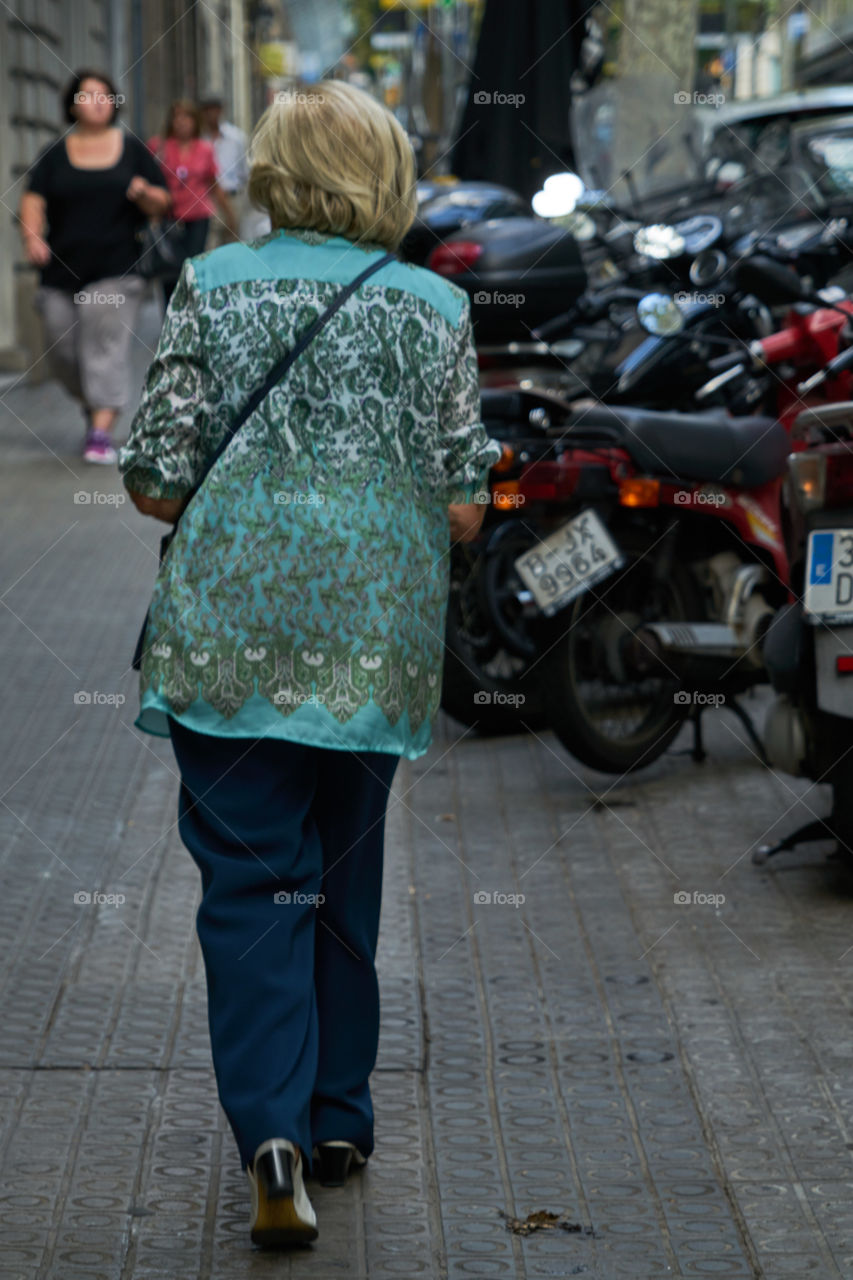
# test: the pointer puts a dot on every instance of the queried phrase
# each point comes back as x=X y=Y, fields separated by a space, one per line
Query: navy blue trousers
x=289 y=842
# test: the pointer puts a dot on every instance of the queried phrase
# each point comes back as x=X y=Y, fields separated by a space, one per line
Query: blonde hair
x=329 y=157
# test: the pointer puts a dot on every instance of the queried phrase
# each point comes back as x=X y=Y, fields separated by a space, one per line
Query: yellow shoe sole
x=278 y=1224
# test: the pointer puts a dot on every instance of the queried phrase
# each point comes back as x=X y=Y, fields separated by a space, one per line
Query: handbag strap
x=281 y=367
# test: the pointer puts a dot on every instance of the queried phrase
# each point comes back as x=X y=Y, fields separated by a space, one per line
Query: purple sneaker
x=99 y=448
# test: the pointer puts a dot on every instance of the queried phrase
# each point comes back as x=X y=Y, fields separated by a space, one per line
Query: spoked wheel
x=486 y=681
x=603 y=706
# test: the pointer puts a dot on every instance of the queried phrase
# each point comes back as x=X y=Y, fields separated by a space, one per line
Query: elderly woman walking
x=294 y=642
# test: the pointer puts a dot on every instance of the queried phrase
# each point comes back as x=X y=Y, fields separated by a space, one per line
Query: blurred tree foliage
x=364 y=14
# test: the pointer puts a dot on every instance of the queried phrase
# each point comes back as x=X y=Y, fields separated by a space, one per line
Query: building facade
x=154 y=50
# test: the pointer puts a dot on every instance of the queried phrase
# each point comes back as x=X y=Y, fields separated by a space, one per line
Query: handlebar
x=721 y=380
x=837 y=365
x=587 y=307
x=719 y=364
x=729 y=368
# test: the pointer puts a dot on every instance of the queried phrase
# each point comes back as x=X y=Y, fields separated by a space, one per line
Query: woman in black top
x=89 y=194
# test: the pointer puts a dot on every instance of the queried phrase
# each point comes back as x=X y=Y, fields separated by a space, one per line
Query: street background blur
x=427 y=61
x=611 y=1044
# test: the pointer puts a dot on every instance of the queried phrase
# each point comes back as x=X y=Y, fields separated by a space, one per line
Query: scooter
x=446 y=207
x=808 y=649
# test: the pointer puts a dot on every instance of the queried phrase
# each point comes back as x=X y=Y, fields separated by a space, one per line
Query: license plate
x=568 y=562
x=829 y=575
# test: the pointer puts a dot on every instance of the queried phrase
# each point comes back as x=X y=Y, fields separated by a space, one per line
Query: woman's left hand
x=138 y=188
x=167 y=509
x=151 y=199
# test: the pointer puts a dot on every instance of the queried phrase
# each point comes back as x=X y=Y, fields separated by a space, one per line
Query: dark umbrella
x=515 y=128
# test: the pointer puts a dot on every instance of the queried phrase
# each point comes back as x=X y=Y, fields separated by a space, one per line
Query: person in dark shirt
x=89 y=194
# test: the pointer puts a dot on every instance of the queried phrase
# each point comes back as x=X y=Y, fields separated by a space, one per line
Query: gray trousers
x=87 y=336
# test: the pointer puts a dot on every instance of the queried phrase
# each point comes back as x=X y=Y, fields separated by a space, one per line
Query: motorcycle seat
x=743 y=452
x=502 y=404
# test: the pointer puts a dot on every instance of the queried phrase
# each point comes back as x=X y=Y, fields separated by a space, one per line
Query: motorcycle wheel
x=604 y=717
x=482 y=678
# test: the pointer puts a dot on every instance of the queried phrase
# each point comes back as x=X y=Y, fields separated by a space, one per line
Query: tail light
x=505 y=495
x=454 y=259
x=822 y=477
x=639 y=491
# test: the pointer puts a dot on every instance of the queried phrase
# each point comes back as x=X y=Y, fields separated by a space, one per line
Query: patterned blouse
x=304 y=593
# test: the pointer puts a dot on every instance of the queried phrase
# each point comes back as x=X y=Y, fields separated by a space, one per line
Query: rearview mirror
x=660 y=315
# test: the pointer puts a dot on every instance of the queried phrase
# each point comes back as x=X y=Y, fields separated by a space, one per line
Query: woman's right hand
x=167 y=509
x=465 y=520
x=37 y=250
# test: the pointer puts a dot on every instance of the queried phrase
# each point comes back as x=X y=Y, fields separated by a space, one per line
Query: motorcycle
x=808 y=649
x=691 y=531
x=445 y=207
x=556 y=307
x=485 y=678
x=626 y=347
x=654 y=597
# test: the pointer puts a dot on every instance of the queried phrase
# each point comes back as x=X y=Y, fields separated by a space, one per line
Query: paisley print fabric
x=304 y=593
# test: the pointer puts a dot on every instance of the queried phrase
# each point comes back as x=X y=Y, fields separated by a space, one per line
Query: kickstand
x=819 y=829
x=746 y=720
x=697 y=752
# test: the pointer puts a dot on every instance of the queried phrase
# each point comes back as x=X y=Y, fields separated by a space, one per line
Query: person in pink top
x=192 y=177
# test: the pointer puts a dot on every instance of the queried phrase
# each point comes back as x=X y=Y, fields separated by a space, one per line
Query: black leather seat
x=744 y=452
x=504 y=404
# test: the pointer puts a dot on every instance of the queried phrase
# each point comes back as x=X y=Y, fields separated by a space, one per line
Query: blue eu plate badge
x=829 y=575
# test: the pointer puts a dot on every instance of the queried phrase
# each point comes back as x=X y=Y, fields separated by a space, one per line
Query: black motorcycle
x=488 y=650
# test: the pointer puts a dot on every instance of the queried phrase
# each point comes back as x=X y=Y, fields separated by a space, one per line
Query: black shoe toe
x=333 y=1164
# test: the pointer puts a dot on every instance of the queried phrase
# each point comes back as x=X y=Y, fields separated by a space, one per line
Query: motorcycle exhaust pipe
x=694 y=651
x=696 y=639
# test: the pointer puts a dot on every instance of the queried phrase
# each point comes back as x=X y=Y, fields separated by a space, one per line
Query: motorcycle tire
x=477 y=697
x=591 y=630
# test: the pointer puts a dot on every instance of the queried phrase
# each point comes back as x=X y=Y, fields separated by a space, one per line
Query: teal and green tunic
x=304 y=593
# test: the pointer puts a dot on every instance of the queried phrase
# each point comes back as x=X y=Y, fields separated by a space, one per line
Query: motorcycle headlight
x=659 y=241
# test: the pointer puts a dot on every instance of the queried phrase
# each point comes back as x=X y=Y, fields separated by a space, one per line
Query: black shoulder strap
x=280 y=369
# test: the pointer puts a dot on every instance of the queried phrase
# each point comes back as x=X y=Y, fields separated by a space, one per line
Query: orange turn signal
x=506 y=459
x=639 y=491
x=505 y=495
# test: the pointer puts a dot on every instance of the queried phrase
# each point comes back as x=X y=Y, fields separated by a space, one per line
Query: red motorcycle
x=646 y=556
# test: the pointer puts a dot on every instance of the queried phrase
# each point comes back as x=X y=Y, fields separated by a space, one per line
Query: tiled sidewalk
x=676 y=1080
